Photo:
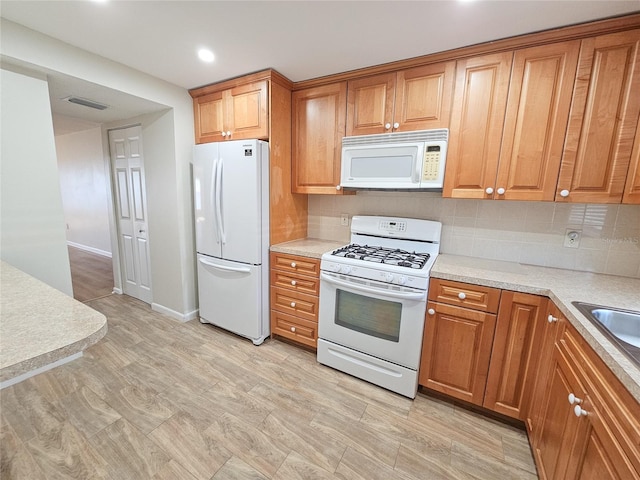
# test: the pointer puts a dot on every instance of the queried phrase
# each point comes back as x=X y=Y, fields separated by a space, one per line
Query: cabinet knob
x=338 y=187
x=500 y=191
x=224 y=134
x=293 y=264
x=387 y=126
x=293 y=304
x=552 y=319
x=580 y=412
x=396 y=125
x=462 y=296
x=228 y=133
x=293 y=329
x=293 y=282
x=488 y=190
x=573 y=400
x=564 y=193
x=431 y=311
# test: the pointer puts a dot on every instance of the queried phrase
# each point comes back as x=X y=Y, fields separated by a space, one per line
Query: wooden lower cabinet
x=477 y=356
x=456 y=351
x=598 y=435
x=295 y=286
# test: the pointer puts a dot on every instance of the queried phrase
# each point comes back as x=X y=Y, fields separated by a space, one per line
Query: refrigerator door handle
x=212 y=199
x=227 y=269
x=219 y=201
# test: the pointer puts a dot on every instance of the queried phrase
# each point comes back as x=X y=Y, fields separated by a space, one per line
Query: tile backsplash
x=525 y=232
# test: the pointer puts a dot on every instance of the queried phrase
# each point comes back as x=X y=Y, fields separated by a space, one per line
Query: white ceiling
x=300 y=39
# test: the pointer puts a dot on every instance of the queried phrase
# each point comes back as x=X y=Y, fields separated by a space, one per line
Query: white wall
x=174 y=269
x=32 y=220
x=526 y=232
x=84 y=183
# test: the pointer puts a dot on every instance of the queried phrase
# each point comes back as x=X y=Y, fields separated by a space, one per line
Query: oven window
x=371 y=316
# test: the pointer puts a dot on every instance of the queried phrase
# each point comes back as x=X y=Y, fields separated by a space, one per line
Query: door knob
x=462 y=296
x=500 y=191
x=293 y=264
x=293 y=329
x=396 y=125
x=293 y=282
x=551 y=319
x=580 y=412
x=224 y=134
x=293 y=304
x=564 y=193
x=431 y=311
x=387 y=126
x=488 y=190
x=573 y=400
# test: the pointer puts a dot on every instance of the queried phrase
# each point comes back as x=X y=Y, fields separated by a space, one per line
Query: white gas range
x=373 y=298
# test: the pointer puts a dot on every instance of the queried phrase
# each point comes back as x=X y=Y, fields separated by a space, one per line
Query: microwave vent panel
x=441 y=134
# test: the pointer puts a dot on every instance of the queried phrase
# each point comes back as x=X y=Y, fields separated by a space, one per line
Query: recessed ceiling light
x=205 y=55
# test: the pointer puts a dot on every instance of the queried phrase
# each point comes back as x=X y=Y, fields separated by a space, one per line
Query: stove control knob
x=345 y=269
x=335 y=267
x=388 y=277
x=402 y=280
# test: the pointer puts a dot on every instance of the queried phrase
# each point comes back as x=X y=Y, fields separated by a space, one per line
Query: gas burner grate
x=388 y=256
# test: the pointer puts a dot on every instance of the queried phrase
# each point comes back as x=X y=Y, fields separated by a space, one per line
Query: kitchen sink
x=622 y=327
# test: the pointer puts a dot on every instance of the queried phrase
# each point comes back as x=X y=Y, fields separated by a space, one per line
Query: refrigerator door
x=205 y=169
x=243 y=166
x=231 y=297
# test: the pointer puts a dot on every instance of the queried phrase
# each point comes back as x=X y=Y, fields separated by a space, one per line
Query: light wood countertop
x=307 y=247
x=562 y=287
x=40 y=325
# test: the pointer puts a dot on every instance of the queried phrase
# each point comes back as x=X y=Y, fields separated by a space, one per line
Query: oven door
x=382 y=320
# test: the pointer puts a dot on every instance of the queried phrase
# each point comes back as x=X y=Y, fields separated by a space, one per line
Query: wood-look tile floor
x=157 y=399
x=91 y=274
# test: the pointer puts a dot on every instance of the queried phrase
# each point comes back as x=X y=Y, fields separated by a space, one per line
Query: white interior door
x=127 y=163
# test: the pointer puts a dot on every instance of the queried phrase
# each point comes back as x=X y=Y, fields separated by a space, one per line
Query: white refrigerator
x=231 y=210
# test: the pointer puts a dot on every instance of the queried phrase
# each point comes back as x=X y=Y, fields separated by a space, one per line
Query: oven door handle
x=401 y=295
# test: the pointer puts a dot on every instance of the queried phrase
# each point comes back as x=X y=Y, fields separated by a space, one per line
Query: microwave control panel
x=431 y=163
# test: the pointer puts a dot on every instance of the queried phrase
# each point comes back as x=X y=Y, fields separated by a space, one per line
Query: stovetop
x=379 y=254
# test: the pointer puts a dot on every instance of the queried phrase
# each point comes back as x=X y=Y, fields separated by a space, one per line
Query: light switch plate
x=344 y=219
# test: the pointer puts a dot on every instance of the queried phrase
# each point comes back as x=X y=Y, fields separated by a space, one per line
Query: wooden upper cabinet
x=477 y=118
x=632 y=186
x=508 y=123
x=233 y=114
x=540 y=90
x=603 y=120
x=514 y=354
x=413 y=99
x=318 y=125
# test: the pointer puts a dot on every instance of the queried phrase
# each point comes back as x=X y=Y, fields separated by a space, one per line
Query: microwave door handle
x=361 y=288
x=418 y=172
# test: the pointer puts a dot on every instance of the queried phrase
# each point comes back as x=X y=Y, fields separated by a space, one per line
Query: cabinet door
x=209 y=112
x=247 y=111
x=370 y=104
x=514 y=355
x=455 y=351
x=423 y=97
x=536 y=121
x=318 y=127
x=603 y=119
x=632 y=185
x=544 y=351
x=477 y=118
x=560 y=428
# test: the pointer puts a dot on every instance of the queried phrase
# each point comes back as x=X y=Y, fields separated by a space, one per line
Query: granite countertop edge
x=40 y=325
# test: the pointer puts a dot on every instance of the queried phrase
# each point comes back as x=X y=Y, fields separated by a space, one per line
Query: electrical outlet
x=344 y=220
x=572 y=238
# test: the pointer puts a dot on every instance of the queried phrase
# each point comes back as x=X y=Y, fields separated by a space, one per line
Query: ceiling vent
x=86 y=103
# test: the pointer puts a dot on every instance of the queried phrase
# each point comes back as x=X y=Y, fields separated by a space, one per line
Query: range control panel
x=393 y=226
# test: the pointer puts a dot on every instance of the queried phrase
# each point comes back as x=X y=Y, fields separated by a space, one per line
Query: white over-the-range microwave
x=395 y=161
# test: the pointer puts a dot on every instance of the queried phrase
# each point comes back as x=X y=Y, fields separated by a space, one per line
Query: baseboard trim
x=86 y=248
x=44 y=368
x=117 y=291
x=182 y=317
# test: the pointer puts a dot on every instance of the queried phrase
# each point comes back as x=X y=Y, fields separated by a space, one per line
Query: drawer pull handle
x=293 y=304
x=431 y=311
x=462 y=296
x=579 y=412
x=552 y=319
x=293 y=329
x=293 y=282
x=293 y=264
x=573 y=400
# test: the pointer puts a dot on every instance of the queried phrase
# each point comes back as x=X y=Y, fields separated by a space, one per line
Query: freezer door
x=231 y=297
x=205 y=168
x=243 y=165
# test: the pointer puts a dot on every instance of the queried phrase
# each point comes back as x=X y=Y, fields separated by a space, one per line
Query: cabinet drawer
x=476 y=297
x=298 y=329
x=293 y=281
x=294 y=303
x=293 y=263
